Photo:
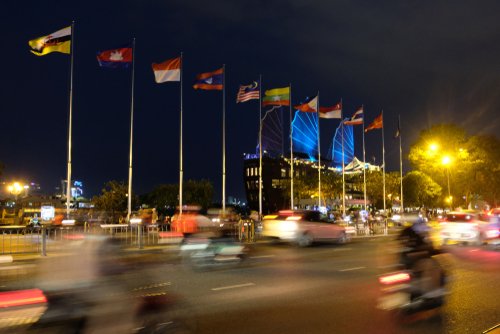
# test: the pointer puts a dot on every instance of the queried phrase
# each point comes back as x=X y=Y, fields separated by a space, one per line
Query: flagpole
x=223 y=140
x=343 y=160
x=291 y=150
x=70 y=122
x=400 y=163
x=260 y=146
x=129 y=202
x=181 y=165
x=364 y=157
x=383 y=172
x=319 y=155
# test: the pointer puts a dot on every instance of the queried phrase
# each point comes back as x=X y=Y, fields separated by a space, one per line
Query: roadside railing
x=18 y=239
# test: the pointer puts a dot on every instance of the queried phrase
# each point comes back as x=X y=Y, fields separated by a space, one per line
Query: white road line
x=233 y=286
x=341 y=249
x=261 y=256
x=355 y=268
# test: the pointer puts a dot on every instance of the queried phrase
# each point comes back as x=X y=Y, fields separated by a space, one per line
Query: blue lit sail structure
x=272 y=132
x=348 y=145
x=305 y=134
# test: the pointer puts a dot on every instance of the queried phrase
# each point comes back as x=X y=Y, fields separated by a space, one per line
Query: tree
x=331 y=185
x=165 y=197
x=375 y=186
x=198 y=192
x=420 y=190
x=113 y=198
x=483 y=176
x=469 y=163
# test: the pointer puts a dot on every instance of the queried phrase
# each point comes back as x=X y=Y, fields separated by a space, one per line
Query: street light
x=446 y=162
x=15 y=189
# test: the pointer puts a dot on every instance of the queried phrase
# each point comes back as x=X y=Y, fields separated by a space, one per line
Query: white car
x=302 y=227
x=465 y=227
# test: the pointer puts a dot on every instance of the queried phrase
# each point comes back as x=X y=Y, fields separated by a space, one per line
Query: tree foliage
x=113 y=197
x=375 y=187
x=165 y=197
x=420 y=190
x=446 y=152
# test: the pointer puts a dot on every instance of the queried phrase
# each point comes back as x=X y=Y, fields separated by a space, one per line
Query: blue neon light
x=305 y=134
x=348 y=145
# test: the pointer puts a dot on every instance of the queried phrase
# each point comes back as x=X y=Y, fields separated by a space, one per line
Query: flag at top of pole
x=248 y=92
x=59 y=41
x=210 y=80
x=356 y=119
x=310 y=105
x=169 y=70
x=120 y=57
x=378 y=123
x=277 y=97
x=333 y=112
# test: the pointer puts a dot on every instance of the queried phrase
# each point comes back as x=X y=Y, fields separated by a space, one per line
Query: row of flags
x=170 y=70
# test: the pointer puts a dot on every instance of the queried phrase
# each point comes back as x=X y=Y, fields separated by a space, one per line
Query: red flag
x=378 y=123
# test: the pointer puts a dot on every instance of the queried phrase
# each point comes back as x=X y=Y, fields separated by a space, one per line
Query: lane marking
x=355 y=268
x=233 y=286
x=261 y=256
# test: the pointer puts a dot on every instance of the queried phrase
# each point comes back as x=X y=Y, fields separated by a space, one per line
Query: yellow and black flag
x=59 y=41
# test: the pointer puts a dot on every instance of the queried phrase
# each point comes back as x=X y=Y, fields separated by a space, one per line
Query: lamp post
x=446 y=162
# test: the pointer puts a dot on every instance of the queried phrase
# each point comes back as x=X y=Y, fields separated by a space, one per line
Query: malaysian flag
x=248 y=92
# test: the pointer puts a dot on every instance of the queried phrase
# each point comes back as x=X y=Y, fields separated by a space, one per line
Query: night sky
x=429 y=61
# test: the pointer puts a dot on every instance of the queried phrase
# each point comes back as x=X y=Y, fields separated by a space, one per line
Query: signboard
x=47 y=212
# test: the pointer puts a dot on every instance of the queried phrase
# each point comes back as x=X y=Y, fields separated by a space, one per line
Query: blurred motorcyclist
x=416 y=255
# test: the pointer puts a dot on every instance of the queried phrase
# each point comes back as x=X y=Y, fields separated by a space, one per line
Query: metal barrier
x=246 y=230
x=19 y=240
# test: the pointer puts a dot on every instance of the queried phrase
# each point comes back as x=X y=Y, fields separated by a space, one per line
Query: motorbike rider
x=416 y=255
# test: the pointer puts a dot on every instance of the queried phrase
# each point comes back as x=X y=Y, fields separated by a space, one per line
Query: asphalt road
x=333 y=289
x=327 y=289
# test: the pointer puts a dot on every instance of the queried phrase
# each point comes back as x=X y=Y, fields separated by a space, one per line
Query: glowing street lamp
x=446 y=161
x=15 y=189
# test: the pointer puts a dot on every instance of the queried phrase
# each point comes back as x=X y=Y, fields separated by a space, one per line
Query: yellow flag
x=278 y=91
x=59 y=41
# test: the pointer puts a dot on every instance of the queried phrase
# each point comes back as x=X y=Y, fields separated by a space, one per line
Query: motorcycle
x=201 y=252
x=413 y=290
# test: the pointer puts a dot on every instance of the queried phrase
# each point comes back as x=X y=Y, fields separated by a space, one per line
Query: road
x=329 y=288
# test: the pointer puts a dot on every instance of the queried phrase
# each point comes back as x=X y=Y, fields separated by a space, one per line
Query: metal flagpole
x=291 y=149
x=364 y=158
x=383 y=171
x=400 y=163
x=343 y=160
x=319 y=154
x=224 y=140
x=70 y=122
x=260 y=146
x=181 y=165
x=129 y=203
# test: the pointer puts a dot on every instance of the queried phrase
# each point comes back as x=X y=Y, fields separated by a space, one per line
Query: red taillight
x=394 y=278
x=21 y=297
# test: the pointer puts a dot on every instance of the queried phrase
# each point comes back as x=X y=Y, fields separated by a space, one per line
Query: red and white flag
x=333 y=112
x=169 y=70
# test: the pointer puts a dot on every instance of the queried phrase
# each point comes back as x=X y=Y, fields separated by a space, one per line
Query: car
x=302 y=227
x=467 y=227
